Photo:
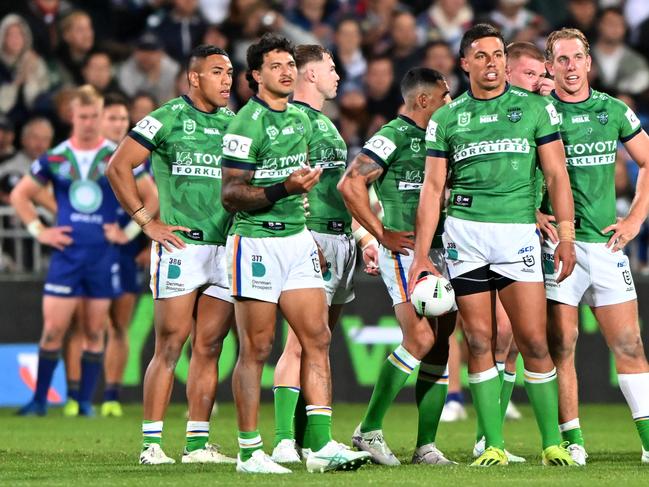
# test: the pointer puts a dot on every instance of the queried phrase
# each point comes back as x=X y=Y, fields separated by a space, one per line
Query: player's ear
x=589 y=62
x=256 y=76
x=464 y=65
x=192 y=78
x=550 y=69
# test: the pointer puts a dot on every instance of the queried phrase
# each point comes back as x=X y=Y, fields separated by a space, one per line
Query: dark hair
x=203 y=51
x=115 y=99
x=96 y=52
x=255 y=54
x=436 y=43
x=419 y=76
x=307 y=53
x=611 y=10
x=476 y=32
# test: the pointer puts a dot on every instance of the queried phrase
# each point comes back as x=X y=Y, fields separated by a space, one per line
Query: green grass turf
x=62 y=451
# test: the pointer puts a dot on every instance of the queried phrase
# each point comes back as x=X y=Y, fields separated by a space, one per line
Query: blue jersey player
x=84 y=269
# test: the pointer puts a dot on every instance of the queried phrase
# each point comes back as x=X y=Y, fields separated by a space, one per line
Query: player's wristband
x=275 y=192
x=35 y=228
x=132 y=230
x=566 y=231
x=359 y=234
x=141 y=216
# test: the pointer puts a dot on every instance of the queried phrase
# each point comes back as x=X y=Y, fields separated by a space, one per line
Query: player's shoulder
x=225 y=112
x=169 y=109
x=303 y=115
x=528 y=97
x=607 y=102
x=454 y=106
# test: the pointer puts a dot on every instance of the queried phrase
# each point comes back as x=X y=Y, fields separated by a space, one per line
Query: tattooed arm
x=237 y=194
x=362 y=172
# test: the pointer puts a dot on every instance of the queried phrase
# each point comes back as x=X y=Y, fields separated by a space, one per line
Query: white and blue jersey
x=89 y=267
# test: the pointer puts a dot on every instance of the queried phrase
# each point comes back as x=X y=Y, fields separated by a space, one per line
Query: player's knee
x=479 y=343
x=420 y=343
x=318 y=340
x=169 y=349
x=562 y=345
x=628 y=347
x=257 y=350
x=52 y=338
x=208 y=348
x=534 y=349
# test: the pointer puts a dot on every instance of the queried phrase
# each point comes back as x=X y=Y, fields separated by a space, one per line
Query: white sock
x=635 y=388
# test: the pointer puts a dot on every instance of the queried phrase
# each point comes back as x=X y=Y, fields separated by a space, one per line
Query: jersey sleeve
x=381 y=147
x=436 y=143
x=548 y=122
x=630 y=125
x=240 y=146
x=40 y=170
x=152 y=130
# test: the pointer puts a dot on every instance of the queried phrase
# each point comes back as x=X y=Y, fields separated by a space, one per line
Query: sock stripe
x=288 y=388
x=641 y=418
x=484 y=376
x=250 y=442
x=321 y=410
x=500 y=366
x=399 y=364
x=569 y=425
x=437 y=374
x=540 y=377
x=510 y=376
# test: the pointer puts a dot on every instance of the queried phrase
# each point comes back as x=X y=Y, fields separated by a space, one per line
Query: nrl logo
x=189 y=127
x=272 y=131
x=602 y=118
x=415 y=145
x=463 y=119
x=514 y=114
x=322 y=126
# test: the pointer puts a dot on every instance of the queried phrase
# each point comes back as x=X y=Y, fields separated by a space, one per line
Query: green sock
x=394 y=373
x=485 y=390
x=151 y=433
x=430 y=393
x=198 y=432
x=479 y=433
x=643 y=430
x=300 y=422
x=285 y=401
x=509 y=379
x=544 y=396
x=318 y=425
x=249 y=442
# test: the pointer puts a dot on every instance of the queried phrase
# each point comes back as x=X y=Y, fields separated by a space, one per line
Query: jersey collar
x=555 y=96
x=295 y=102
x=507 y=86
x=410 y=121
x=265 y=105
x=189 y=101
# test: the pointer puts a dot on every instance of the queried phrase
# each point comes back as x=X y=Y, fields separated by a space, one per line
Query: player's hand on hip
x=302 y=180
x=624 y=231
x=164 y=234
x=371 y=258
x=114 y=234
x=57 y=237
x=548 y=230
x=565 y=256
x=420 y=264
x=398 y=242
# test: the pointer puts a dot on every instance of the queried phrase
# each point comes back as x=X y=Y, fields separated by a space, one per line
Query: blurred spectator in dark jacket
x=7 y=136
x=620 y=68
x=405 y=51
x=383 y=96
x=582 y=15
x=376 y=24
x=78 y=38
x=347 y=54
x=516 y=22
x=316 y=17
x=149 y=69
x=35 y=138
x=445 y=20
x=43 y=18
x=98 y=71
x=438 y=56
x=23 y=73
x=179 y=29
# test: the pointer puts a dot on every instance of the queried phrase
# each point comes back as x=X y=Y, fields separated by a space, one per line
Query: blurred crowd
x=138 y=48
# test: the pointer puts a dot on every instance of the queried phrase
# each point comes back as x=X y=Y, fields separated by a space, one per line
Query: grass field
x=60 y=451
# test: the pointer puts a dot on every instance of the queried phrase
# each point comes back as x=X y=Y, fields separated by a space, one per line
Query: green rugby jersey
x=185 y=145
x=399 y=147
x=491 y=148
x=590 y=130
x=327 y=150
x=272 y=144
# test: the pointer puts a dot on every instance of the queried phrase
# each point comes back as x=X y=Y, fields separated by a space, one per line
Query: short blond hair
x=87 y=95
x=564 y=33
x=519 y=49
